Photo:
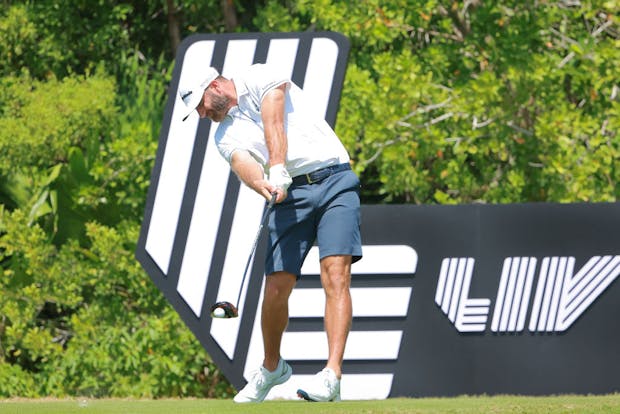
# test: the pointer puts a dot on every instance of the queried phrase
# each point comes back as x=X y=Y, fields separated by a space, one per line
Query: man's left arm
x=272 y=114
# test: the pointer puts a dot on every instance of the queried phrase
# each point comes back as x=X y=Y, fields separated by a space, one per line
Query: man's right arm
x=250 y=172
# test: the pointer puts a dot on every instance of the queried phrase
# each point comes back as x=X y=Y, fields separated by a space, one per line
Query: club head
x=224 y=310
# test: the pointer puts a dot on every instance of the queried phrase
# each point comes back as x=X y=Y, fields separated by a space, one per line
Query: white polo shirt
x=312 y=144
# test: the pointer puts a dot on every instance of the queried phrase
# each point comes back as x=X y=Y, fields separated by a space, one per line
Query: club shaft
x=258 y=233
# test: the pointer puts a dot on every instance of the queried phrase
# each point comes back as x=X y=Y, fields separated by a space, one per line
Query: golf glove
x=279 y=177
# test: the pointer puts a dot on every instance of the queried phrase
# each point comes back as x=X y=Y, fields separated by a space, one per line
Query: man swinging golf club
x=267 y=126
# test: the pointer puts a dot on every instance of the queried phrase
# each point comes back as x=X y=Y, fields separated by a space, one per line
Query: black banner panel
x=516 y=299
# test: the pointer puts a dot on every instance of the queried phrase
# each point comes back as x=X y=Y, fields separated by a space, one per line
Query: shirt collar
x=241 y=88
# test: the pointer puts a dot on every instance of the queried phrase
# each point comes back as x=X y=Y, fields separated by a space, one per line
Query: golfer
x=276 y=142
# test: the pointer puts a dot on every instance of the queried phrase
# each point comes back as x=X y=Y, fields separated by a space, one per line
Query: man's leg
x=274 y=371
x=278 y=287
x=336 y=281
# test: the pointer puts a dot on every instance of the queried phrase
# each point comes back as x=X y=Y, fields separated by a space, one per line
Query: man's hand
x=250 y=172
x=280 y=179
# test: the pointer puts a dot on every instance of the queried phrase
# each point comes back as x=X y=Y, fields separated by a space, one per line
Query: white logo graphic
x=468 y=315
x=561 y=296
x=514 y=294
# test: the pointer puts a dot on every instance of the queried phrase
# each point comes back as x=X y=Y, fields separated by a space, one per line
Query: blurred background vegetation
x=444 y=102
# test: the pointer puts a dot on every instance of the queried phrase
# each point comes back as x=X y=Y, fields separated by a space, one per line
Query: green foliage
x=52 y=133
x=40 y=119
x=53 y=306
x=15 y=381
x=452 y=102
x=78 y=316
x=444 y=102
x=22 y=46
x=57 y=38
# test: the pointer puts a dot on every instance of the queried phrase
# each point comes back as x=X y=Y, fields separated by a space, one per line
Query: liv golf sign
x=447 y=299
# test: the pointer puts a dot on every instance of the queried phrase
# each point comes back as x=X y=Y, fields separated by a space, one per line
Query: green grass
x=607 y=404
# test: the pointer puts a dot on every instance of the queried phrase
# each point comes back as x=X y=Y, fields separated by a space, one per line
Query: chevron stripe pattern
x=513 y=295
x=452 y=296
x=562 y=297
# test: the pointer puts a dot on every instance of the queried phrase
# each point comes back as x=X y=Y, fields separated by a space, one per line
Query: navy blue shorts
x=326 y=211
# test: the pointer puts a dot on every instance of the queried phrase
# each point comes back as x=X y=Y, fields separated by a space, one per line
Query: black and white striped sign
x=200 y=223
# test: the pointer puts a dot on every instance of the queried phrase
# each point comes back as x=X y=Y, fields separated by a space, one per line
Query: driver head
x=224 y=310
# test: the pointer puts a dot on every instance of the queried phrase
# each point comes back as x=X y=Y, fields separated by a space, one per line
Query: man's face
x=214 y=105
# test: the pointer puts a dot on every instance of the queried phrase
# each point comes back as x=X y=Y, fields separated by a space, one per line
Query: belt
x=321 y=174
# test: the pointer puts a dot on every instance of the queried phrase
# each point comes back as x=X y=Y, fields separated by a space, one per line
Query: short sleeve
x=240 y=135
x=263 y=78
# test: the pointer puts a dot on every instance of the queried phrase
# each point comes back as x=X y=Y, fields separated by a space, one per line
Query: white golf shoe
x=261 y=381
x=324 y=386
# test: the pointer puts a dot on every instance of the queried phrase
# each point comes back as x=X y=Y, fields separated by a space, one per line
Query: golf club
x=226 y=310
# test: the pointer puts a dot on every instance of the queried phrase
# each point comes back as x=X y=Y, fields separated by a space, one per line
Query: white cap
x=193 y=88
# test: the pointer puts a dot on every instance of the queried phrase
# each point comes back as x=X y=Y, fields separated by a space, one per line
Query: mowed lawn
x=606 y=404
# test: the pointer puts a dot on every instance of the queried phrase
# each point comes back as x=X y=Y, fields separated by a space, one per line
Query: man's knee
x=336 y=273
x=278 y=286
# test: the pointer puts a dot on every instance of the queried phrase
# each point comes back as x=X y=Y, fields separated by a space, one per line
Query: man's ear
x=215 y=85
